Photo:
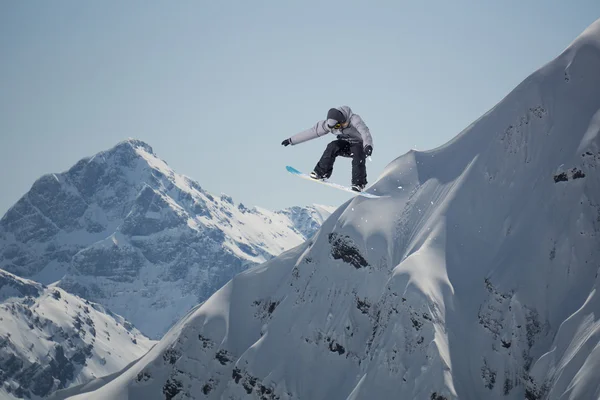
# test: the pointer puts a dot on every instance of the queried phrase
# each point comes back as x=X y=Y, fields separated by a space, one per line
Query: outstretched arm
x=316 y=131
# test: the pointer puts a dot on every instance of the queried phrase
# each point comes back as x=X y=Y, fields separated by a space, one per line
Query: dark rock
x=508 y=385
x=77 y=323
x=342 y=247
x=363 y=306
x=206 y=389
x=248 y=384
x=171 y=355
x=562 y=177
x=226 y=198
x=236 y=375
x=223 y=357
x=488 y=375
x=532 y=327
x=532 y=393
x=143 y=376
x=41 y=379
x=206 y=343
x=171 y=388
x=79 y=357
x=577 y=173
x=336 y=348
x=272 y=307
x=416 y=323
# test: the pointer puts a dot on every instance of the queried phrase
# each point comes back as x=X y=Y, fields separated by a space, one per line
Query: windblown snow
x=476 y=279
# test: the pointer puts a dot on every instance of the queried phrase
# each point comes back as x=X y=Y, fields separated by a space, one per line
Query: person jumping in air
x=353 y=140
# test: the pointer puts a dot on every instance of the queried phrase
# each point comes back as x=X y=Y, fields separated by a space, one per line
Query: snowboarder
x=353 y=140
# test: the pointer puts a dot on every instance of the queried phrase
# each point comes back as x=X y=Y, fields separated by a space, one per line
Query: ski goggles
x=333 y=124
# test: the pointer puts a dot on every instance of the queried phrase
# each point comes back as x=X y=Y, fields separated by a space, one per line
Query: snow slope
x=123 y=229
x=50 y=339
x=476 y=279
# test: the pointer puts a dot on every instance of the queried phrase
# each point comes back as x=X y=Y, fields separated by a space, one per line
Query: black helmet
x=334 y=117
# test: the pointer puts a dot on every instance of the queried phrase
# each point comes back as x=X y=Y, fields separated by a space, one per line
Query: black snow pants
x=344 y=149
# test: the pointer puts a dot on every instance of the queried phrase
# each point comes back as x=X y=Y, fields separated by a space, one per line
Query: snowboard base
x=294 y=171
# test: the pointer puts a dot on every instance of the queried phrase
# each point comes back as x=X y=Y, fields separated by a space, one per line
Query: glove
x=286 y=142
x=368 y=150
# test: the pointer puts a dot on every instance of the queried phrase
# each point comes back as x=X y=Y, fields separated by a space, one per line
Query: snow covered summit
x=476 y=279
x=123 y=229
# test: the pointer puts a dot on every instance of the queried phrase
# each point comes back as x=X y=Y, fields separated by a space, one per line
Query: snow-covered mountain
x=50 y=339
x=476 y=279
x=123 y=229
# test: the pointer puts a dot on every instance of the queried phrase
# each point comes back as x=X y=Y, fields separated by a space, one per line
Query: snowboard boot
x=358 y=188
x=318 y=177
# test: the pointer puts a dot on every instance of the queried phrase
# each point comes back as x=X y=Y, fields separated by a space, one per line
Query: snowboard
x=294 y=171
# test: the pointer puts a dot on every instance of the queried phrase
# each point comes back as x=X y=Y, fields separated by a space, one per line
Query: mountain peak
x=135 y=144
x=122 y=214
x=127 y=152
x=589 y=36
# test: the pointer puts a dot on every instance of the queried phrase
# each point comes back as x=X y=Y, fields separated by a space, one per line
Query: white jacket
x=356 y=131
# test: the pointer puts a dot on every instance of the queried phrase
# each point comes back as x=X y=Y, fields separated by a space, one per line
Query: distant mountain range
x=123 y=229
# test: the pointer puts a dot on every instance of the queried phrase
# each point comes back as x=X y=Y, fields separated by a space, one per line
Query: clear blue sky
x=215 y=86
